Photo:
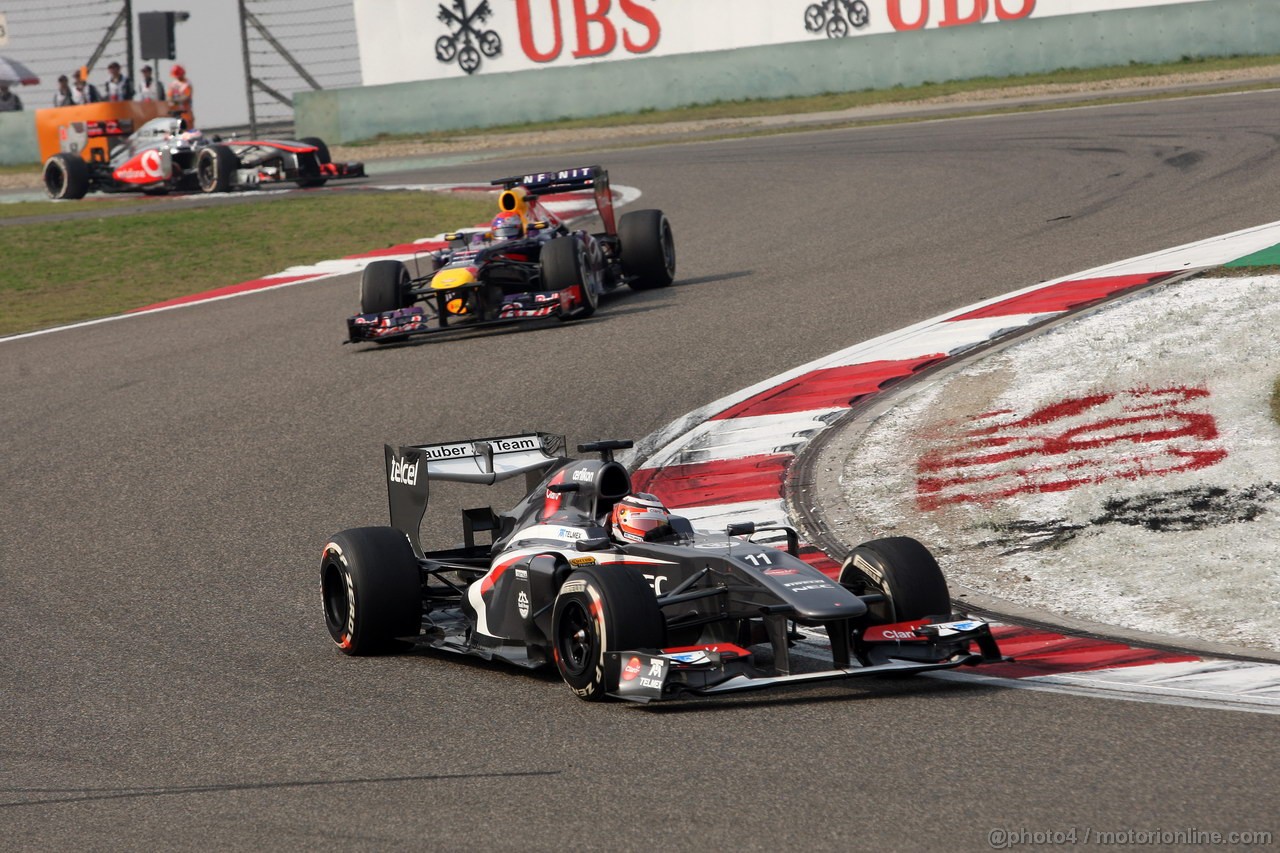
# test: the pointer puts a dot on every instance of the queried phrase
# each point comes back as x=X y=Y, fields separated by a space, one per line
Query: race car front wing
x=415 y=320
x=909 y=647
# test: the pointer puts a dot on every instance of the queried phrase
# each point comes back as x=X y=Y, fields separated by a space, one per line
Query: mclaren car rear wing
x=594 y=178
x=483 y=460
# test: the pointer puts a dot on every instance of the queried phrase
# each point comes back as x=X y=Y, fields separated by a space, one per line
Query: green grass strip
x=61 y=272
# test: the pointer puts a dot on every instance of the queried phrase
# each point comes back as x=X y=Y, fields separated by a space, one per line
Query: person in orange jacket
x=180 y=96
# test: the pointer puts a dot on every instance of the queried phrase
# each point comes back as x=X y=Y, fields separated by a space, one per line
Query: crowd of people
x=76 y=89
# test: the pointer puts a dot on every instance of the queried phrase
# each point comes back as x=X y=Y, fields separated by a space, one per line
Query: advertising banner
x=403 y=40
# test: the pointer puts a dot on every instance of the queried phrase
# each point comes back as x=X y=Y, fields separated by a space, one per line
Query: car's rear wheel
x=602 y=610
x=905 y=572
x=322 y=157
x=371 y=587
x=216 y=168
x=66 y=176
x=648 y=249
x=564 y=265
x=384 y=286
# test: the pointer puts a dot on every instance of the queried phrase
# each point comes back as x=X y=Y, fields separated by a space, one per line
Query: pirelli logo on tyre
x=867 y=569
x=571 y=587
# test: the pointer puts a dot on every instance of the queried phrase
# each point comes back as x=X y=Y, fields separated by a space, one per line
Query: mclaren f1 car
x=163 y=156
x=623 y=598
x=528 y=264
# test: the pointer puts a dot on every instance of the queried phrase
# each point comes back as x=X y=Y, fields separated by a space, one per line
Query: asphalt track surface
x=168 y=482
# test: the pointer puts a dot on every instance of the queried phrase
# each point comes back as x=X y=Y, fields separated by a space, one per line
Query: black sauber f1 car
x=163 y=156
x=673 y=611
x=539 y=268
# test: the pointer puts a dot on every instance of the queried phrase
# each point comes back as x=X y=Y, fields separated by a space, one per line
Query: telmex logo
x=404 y=473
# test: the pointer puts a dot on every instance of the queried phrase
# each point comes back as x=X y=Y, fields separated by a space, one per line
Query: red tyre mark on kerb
x=1071 y=443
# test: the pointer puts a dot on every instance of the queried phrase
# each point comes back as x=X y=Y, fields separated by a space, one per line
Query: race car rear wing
x=491 y=460
x=483 y=460
x=556 y=181
x=568 y=180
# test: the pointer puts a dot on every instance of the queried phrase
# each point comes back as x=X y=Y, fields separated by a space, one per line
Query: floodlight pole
x=248 y=70
x=128 y=40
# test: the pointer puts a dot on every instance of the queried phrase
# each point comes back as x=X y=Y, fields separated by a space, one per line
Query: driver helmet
x=635 y=515
x=506 y=226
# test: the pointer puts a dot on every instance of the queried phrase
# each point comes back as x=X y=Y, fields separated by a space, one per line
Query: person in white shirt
x=63 y=96
x=84 y=92
x=118 y=87
x=149 y=89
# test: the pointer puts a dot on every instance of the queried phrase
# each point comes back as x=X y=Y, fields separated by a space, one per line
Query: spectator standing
x=149 y=88
x=118 y=87
x=63 y=96
x=9 y=102
x=180 y=96
x=85 y=92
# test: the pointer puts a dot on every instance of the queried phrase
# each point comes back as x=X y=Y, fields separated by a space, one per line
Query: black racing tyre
x=648 y=249
x=564 y=265
x=372 y=590
x=216 y=168
x=66 y=176
x=322 y=150
x=384 y=286
x=322 y=157
x=907 y=574
x=600 y=610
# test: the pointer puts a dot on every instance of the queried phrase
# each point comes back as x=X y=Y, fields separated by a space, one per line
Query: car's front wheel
x=322 y=157
x=371 y=587
x=216 y=169
x=905 y=572
x=602 y=610
x=564 y=266
x=384 y=286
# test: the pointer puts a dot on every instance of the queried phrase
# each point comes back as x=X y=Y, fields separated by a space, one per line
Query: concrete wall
x=18 y=138
x=1157 y=34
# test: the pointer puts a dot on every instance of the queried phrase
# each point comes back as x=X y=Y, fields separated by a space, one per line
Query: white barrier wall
x=404 y=40
x=925 y=40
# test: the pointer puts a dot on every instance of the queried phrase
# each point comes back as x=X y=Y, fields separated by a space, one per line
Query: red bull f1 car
x=527 y=265
x=163 y=156
x=623 y=598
